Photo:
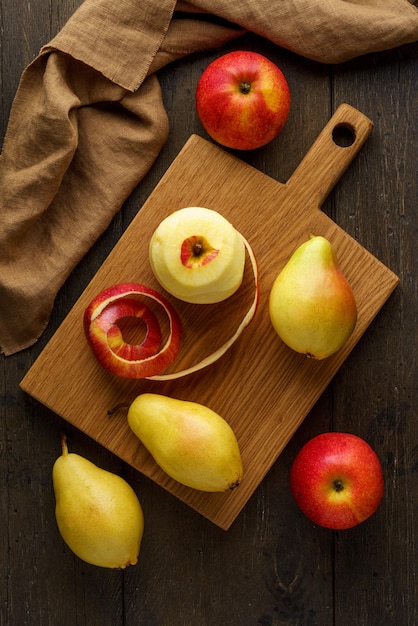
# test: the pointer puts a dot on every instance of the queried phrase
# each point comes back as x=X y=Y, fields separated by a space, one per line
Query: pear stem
x=122 y=405
x=64 y=447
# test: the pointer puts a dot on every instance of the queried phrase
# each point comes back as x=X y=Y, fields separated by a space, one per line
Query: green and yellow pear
x=312 y=305
x=98 y=514
x=190 y=442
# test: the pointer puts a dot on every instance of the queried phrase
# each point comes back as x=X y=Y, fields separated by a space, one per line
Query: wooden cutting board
x=260 y=386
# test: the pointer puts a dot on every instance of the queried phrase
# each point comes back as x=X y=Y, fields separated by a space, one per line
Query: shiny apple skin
x=337 y=459
x=243 y=121
x=105 y=339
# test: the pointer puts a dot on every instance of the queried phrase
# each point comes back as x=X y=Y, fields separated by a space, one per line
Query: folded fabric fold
x=329 y=31
x=118 y=39
x=90 y=143
x=88 y=120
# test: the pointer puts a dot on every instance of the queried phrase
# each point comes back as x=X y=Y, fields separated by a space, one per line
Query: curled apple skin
x=103 y=333
x=107 y=343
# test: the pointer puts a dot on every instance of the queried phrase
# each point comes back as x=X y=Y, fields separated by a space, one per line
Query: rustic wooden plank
x=379 y=401
x=272 y=567
x=42 y=581
x=243 y=577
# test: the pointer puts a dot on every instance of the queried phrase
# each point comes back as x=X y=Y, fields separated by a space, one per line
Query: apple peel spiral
x=148 y=360
x=101 y=319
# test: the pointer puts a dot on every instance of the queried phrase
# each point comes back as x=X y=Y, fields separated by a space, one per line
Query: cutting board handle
x=330 y=155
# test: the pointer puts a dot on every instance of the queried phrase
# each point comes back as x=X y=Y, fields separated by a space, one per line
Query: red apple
x=242 y=100
x=337 y=480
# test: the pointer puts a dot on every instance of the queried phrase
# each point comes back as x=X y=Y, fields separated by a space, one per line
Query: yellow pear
x=312 y=305
x=190 y=442
x=98 y=514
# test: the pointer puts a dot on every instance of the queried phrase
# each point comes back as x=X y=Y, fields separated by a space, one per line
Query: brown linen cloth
x=88 y=120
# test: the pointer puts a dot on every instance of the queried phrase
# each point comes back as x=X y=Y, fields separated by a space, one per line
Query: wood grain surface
x=261 y=387
x=273 y=567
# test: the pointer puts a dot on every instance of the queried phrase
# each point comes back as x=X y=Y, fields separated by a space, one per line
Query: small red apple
x=242 y=100
x=337 y=480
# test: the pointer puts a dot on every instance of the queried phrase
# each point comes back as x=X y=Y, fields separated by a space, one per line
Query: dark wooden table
x=273 y=567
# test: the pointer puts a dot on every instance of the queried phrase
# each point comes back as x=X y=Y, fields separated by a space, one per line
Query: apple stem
x=122 y=405
x=197 y=248
x=245 y=87
x=338 y=485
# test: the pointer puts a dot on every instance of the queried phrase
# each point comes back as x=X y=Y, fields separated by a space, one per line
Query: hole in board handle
x=343 y=135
